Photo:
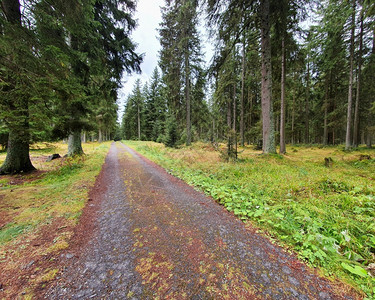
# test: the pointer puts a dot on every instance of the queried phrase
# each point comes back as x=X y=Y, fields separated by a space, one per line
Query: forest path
x=158 y=238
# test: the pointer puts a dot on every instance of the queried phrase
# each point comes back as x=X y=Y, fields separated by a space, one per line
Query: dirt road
x=158 y=238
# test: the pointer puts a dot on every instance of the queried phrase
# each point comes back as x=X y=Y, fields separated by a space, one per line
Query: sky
x=148 y=17
x=146 y=35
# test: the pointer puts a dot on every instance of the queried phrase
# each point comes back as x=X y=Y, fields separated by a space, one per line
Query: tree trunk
x=12 y=11
x=350 y=92
x=74 y=143
x=369 y=140
x=282 y=108
x=139 y=121
x=100 y=135
x=234 y=108
x=83 y=138
x=325 y=133
x=356 y=110
x=187 y=98
x=18 y=158
x=293 y=116
x=267 y=108
x=242 y=124
x=250 y=99
x=229 y=123
x=307 y=108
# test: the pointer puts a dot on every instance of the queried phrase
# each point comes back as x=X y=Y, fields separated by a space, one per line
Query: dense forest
x=61 y=66
x=277 y=76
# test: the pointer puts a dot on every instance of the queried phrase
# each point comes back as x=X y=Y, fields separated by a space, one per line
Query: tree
x=348 y=141
x=17 y=62
x=133 y=114
x=267 y=104
x=180 y=57
x=155 y=109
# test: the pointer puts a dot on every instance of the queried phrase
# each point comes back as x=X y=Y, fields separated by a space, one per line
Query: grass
x=325 y=214
x=44 y=206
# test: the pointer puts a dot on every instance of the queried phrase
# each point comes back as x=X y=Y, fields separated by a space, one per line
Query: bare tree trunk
x=187 y=98
x=100 y=135
x=267 y=108
x=234 y=108
x=350 y=92
x=139 y=121
x=357 y=100
x=325 y=134
x=250 y=99
x=307 y=108
x=83 y=137
x=293 y=116
x=229 y=123
x=282 y=108
x=242 y=124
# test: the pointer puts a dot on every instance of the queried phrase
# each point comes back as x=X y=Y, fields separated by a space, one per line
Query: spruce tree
x=16 y=72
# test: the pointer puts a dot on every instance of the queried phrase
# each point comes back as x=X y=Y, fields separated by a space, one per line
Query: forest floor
x=38 y=214
x=140 y=233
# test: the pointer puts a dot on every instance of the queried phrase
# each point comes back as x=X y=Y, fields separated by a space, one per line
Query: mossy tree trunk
x=75 y=144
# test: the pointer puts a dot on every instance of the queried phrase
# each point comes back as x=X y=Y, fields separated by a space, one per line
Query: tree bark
x=307 y=107
x=357 y=100
x=293 y=116
x=282 y=108
x=350 y=92
x=267 y=108
x=74 y=143
x=18 y=158
x=187 y=98
x=229 y=125
x=11 y=9
x=139 y=121
x=100 y=136
x=242 y=124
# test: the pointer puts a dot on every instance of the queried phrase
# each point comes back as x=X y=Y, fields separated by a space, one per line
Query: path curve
x=158 y=238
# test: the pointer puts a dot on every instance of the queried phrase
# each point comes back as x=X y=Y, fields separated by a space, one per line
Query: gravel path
x=158 y=238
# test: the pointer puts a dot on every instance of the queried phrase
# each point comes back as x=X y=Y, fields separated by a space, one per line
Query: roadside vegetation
x=38 y=212
x=324 y=213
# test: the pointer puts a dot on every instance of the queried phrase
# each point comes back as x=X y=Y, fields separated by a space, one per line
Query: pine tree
x=180 y=57
x=17 y=65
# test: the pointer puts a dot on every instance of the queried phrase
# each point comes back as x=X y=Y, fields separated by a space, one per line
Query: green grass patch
x=59 y=193
x=326 y=214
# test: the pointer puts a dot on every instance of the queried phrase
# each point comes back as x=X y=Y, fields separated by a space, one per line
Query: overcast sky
x=148 y=16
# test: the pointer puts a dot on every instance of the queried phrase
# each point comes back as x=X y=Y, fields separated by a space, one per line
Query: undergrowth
x=325 y=214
